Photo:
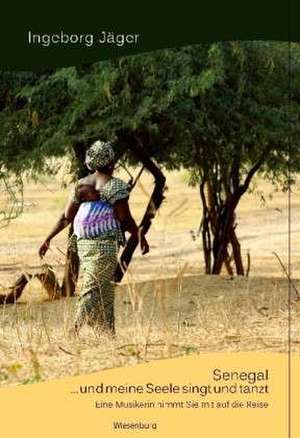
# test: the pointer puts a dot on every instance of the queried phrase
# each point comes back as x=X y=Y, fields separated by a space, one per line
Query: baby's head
x=88 y=193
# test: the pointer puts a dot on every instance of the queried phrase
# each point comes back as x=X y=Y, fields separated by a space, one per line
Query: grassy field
x=165 y=307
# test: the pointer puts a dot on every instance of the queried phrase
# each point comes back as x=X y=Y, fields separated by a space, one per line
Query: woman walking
x=99 y=209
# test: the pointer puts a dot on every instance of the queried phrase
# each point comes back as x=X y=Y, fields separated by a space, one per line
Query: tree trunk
x=236 y=248
x=155 y=201
x=72 y=266
x=209 y=229
x=206 y=232
x=71 y=273
x=223 y=232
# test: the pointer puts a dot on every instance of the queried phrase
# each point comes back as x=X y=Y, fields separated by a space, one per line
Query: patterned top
x=96 y=218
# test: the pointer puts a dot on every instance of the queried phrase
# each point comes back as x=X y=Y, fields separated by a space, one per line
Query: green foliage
x=223 y=111
x=202 y=106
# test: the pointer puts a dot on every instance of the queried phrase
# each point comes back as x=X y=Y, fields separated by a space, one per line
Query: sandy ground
x=164 y=307
x=154 y=320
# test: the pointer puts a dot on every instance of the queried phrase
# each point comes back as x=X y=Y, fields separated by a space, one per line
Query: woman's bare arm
x=64 y=220
x=124 y=216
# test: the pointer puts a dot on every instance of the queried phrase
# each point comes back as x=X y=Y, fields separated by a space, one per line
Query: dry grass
x=162 y=309
x=154 y=320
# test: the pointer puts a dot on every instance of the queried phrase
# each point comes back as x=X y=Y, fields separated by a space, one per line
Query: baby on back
x=93 y=219
x=87 y=193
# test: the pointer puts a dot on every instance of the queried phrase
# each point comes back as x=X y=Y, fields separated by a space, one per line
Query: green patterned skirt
x=98 y=262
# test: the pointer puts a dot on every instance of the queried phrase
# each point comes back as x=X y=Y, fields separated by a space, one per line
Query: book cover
x=149 y=186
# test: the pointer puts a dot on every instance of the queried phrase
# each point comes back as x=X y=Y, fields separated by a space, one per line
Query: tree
x=224 y=111
x=245 y=125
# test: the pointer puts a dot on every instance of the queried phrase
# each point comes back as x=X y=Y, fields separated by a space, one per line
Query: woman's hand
x=123 y=214
x=64 y=220
x=62 y=223
x=44 y=248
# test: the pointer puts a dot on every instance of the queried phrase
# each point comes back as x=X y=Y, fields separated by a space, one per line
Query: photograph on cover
x=144 y=208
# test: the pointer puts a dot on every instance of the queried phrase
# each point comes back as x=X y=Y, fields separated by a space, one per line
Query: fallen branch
x=48 y=281
x=16 y=290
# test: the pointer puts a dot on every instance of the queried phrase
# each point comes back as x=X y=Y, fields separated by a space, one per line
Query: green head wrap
x=100 y=154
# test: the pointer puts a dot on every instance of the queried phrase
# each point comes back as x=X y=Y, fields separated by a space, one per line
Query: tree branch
x=244 y=187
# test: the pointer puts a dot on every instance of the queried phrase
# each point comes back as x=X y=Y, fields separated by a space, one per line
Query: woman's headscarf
x=100 y=154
